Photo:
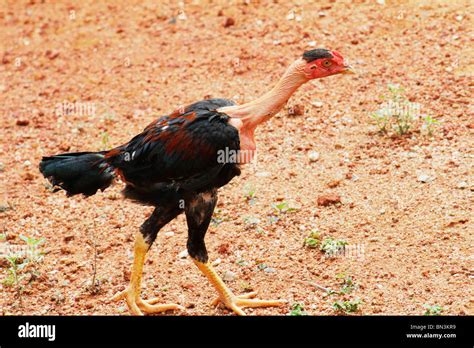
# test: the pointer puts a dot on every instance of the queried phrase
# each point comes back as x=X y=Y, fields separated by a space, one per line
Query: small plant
x=246 y=286
x=397 y=113
x=297 y=309
x=242 y=263
x=433 y=310
x=382 y=120
x=3 y=237
x=313 y=240
x=271 y=219
x=12 y=277
x=347 y=285
x=217 y=218
x=249 y=192
x=331 y=247
x=251 y=221
x=429 y=124
x=105 y=141
x=23 y=266
x=350 y=306
x=15 y=276
x=330 y=292
x=283 y=208
x=35 y=254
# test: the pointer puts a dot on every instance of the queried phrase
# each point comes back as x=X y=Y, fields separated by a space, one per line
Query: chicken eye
x=327 y=63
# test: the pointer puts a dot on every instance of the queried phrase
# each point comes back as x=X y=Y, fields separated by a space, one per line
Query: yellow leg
x=132 y=293
x=231 y=301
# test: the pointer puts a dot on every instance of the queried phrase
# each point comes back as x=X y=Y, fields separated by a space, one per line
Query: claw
x=138 y=306
x=236 y=303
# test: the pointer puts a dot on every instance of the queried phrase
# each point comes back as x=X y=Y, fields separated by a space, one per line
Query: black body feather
x=176 y=153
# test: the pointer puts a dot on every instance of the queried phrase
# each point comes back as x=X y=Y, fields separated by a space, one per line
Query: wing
x=185 y=149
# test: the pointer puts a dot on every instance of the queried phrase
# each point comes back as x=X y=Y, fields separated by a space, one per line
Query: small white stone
x=381 y=2
x=184 y=254
x=317 y=104
x=216 y=262
x=27 y=163
x=462 y=185
x=424 y=178
x=459 y=18
x=263 y=174
x=229 y=276
x=313 y=156
x=269 y=270
x=169 y=234
x=312 y=43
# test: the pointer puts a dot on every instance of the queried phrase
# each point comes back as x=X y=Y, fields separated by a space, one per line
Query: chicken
x=178 y=163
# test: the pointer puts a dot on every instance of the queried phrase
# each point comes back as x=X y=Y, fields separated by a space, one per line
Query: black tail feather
x=80 y=172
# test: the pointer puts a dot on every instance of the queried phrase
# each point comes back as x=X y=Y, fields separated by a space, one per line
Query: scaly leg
x=231 y=301
x=199 y=209
x=131 y=294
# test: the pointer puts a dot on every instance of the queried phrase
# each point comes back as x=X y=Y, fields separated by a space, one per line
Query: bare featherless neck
x=266 y=106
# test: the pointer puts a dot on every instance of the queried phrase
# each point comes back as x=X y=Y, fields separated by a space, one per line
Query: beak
x=348 y=70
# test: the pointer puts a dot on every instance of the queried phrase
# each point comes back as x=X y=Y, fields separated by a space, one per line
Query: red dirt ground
x=135 y=62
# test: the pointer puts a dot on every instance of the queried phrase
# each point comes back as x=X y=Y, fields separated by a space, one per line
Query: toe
x=150 y=308
x=248 y=295
x=260 y=303
x=119 y=296
x=133 y=307
x=236 y=309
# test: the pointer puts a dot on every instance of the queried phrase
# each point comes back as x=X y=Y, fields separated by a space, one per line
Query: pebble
x=462 y=185
x=22 y=122
x=269 y=270
x=327 y=200
x=296 y=110
x=334 y=183
x=424 y=178
x=313 y=156
x=229 y=22
x=263 y=174
x=317 y=104
x=184 y=254
x=229 y=276
x=216 y=262
x=169 y=234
